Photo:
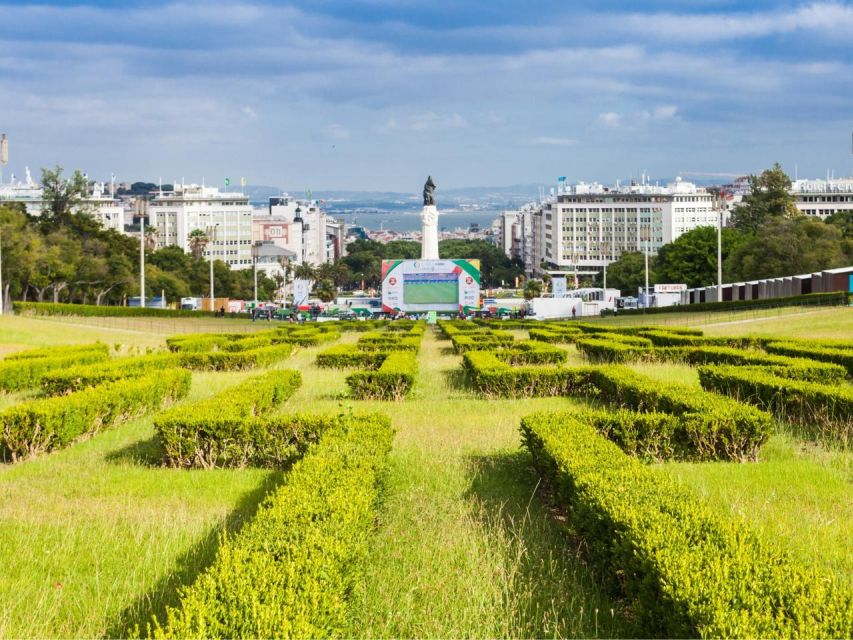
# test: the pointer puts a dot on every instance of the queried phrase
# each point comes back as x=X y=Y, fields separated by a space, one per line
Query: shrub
x=391 y=381
x=713 y=427
x=77 y=378
x=606 y=350
x=480 y=341
x=489 y=375
x=348 y=355
x=217 y=432
x=825 y=410
x=24 y=373
x=839 y=298
x=531 y=352
x=689 y=571
x=234 y=360
x=844 y=357
x=38 y=426
x=290 y=571
x=58 y=351
x=555 y=335
x=91 y=310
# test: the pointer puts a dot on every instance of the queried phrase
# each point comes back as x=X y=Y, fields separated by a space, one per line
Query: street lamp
x=255 y=251
x=142 y=262
x=719 y=203
x=211 y=238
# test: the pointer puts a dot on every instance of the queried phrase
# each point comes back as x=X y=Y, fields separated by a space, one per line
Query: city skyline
x=376 y=95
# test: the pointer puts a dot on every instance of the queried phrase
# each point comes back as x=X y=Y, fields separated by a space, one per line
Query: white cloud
x=249 y=112
x=426 y=121
x=556 y=142
x=665 y=112
x=610 y=119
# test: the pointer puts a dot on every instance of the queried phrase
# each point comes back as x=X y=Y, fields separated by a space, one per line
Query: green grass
x=97 y=537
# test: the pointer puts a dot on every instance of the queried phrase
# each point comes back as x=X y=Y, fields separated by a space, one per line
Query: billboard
x=558 y=286
x=430 y=285
x=301 y=291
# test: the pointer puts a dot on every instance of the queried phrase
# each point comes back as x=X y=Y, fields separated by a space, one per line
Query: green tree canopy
x=628 y=273
x=769 y=197
x=692 y=258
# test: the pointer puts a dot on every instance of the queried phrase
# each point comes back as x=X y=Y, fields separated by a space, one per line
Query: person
x=222 y=311
x=573 y=312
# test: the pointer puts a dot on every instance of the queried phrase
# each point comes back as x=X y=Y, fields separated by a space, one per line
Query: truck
x=191 y=304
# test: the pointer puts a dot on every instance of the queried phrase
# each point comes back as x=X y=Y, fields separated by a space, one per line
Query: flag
x=242 y=182
x=227 y=182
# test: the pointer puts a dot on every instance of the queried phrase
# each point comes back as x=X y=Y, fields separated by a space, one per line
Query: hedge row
x=531 y=352
x=307 y=336
x=605 y=350
x=713 y=427
x=198 y=342
x=391 y=381
x=345 y=356
x=844 y=357
x=812 y=299
x=25 y=373
x=463 y=343
x=689 y=571
x=37 y=426
x=555 y=335
x=589 y=327
x=57 y=351
x=492 y=377
x=61 y=309
x=77 y=378
x=217 y=432
x=291 y=571
x=824 y=410
x=234 y=360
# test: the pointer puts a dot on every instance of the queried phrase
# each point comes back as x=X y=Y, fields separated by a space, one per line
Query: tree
x=402 y=250
x=628 y=273
x=63 y=198
x=198 y=241
x=305 y=271
x=769 y=196
x=692 y=258
x=325 y=290
x=786 y=247
x=151 y=237
x=496 y=269
x=532 y=289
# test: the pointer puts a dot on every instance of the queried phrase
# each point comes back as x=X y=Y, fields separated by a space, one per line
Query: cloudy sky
x=376 y=94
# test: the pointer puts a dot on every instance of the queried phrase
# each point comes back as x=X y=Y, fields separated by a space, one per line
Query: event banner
x=301 y=291
x=430 y=285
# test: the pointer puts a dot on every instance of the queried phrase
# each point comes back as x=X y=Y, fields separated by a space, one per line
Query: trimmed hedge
x=217 y=432
x=844 y=357
x=90 y=310
x=838 y=298
x=291 y=571
x=465 y=342
x=57 y=351
x=531 y=352
x=714 y=427
x=77 y=378
x=234 y=360
x=489 y=375
x=38 y=426
x=555 y=335
x=25 y=373
x=391 y=381
x=597 y=349
x=349 y=355
x=825 y=410
x=688 y=571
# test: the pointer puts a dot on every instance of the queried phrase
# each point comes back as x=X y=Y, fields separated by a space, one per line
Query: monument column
x=429 y=223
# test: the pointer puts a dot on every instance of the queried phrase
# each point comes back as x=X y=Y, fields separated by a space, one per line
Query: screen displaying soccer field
x=430 y=288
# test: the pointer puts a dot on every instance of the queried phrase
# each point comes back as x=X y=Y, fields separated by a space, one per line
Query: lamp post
x=720 y=250
x=211 y=238
x=2 y=295
x=142 y=262
x=255 y=251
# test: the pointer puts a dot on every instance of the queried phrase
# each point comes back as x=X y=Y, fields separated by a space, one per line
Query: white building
x=100 y=205
x=302 y=227
x=226 y=218
x=516 y=235
x=587 y=225
x=822 y=198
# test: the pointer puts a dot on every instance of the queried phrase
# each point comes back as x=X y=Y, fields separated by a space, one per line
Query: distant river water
x=411 y=220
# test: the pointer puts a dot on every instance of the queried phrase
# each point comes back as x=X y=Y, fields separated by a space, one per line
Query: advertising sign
x=670 y=288
x=558 y=287
x=430 y=285
x=301 y=291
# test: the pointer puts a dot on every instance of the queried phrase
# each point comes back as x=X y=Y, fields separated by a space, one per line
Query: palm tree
x=325 y=290
x=532 y=289
x=198 y=241
x=151 y=238
x=305 y=271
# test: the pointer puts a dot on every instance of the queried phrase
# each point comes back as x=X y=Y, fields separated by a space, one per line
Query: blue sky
x=377 y=94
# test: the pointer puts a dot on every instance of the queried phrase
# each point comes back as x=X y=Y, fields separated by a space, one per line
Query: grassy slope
x=465 y=547
x=798 y=492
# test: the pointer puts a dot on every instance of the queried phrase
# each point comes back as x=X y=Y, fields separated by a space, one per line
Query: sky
x=376 y=94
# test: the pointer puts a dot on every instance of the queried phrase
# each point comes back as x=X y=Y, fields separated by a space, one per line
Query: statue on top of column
x=429 y=192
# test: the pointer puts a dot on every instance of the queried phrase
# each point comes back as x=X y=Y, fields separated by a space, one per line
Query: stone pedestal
x=429 y=236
